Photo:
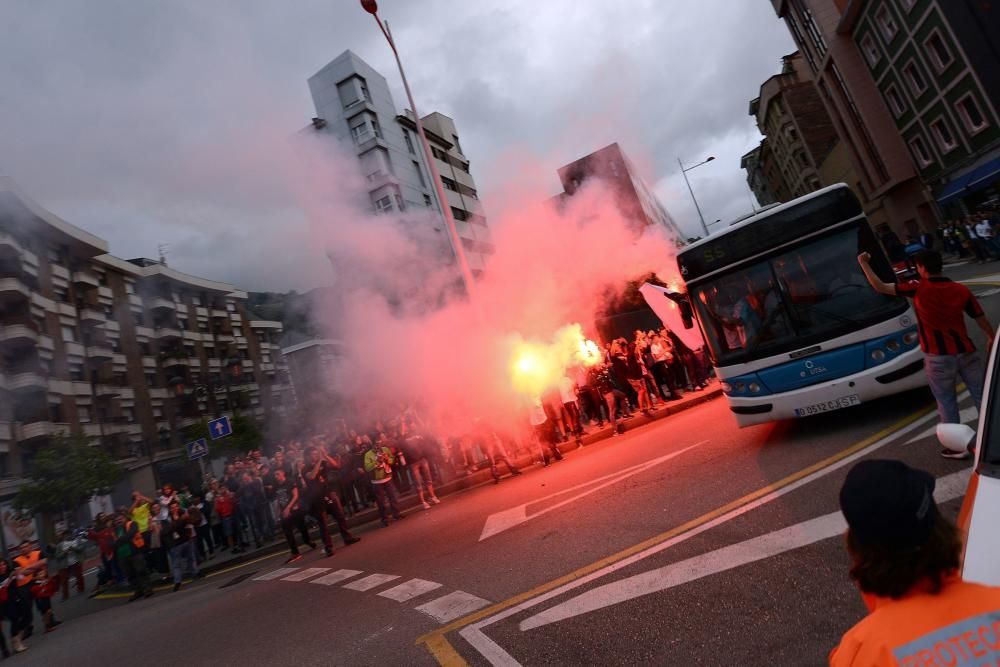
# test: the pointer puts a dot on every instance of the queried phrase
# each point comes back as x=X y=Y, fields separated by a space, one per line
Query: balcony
x=166 y=333
x=108 y=391
x=27 y=382
x=169 y=359
x=158 y=302
x=40 y=429
x=6 y=432
x=12 y=290
x=267 y=368
x=18 y=335
x=214 y=363
x=89 y=315
x=223 y=337
x=99 y=350
x=85 y=279
x=10 y=245
x=219 y=312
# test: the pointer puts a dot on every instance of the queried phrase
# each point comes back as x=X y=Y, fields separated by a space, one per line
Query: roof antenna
x=162 y=249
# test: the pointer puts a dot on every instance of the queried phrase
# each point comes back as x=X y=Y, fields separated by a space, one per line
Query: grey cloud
x=152 y=122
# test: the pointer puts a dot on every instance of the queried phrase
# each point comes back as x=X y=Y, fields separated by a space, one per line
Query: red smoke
x=550 y=268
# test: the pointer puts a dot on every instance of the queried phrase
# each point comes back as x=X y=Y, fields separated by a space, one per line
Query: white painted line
x=410 y=589
x=306 y=573
x=453 y=605
x=501 y=521
x=371 y=581
x=758 y=548
x=275 y=574
x=336 y=577
x=497 y=656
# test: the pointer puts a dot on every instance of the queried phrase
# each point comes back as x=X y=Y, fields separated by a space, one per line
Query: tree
x=246 y=436
x=65 y=474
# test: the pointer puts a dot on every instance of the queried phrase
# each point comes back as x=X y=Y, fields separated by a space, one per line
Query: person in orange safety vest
x=905 y=559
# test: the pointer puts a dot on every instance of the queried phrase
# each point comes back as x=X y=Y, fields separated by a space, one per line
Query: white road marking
x=453 y=605
x=306 y=573
x=986 y=293
x=758 y=548
x=274 y=574
x=336 y=577
x=500 y=521
x=410 y=589
x=371 y=581
x=498 y=656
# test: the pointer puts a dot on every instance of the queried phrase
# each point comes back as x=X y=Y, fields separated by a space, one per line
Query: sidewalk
x=368 y=519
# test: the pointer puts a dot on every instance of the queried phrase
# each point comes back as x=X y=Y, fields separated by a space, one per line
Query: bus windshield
x=792 y=299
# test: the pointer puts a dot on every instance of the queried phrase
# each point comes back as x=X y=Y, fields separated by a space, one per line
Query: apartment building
x=796 y=127
x=936 y=65
x=354 y=105
x=127 y=353
x=758 y=164
x=635 y=200
x=887 y=177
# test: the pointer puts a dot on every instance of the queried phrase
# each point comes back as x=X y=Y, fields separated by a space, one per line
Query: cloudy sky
x=154 y=122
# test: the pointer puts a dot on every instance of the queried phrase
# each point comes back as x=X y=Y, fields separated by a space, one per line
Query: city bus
x=791 y=324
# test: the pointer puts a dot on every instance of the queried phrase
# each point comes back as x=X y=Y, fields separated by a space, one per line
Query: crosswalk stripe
x=409 y=590
x=336 y=577
x=274 y=574
x=370 y=582
x=306 y=573
x=452 y=606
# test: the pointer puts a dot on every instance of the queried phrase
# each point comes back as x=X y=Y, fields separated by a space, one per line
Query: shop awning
x=977 y=179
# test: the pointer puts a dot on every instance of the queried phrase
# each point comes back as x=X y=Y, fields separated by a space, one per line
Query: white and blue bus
x=791 y=324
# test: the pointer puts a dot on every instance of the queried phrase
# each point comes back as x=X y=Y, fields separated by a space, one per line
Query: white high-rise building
x=353 y=103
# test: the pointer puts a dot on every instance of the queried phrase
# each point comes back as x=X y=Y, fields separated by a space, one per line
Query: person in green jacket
x=378 y=464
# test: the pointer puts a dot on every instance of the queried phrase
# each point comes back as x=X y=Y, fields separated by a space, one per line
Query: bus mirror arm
x=682 y=301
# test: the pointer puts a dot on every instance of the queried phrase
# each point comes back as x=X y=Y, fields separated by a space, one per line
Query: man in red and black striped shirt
x=949 y=354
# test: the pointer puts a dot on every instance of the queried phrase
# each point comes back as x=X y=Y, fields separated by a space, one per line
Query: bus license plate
x=827 y=406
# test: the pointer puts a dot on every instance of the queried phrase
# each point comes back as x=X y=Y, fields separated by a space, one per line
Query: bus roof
x=763 y=214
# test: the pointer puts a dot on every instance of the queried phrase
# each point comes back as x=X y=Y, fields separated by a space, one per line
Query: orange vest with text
x=957 y=627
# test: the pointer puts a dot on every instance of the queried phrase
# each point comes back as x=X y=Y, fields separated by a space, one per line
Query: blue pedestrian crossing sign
x=197 y=449
x=219 y=428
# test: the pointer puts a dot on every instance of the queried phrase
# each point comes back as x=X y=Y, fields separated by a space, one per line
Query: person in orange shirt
x=905 y=559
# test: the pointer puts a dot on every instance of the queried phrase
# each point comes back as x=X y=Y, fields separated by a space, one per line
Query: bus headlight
x=910 y=338
x=878 y=355
x=892 y=345
x=739 y=386
x=727 y=388
x=754 y=388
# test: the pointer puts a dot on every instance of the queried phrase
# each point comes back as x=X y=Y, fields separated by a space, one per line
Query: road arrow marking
x=501 y=521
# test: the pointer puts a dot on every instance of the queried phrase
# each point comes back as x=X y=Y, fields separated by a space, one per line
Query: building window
x=376 y=128
x=399 y=203
x=971 y=116
x=238 y=332
x=129 y=286
x=409 y=141
x=68 y=334
x=458 y=146
x=449 y=184
x=420 y=174
x=76 y=371
x=895 y=100
x=230 y=306
x=129 y=415
x=914 y=79
x=364 y=89
x=182 y=323
x=83 y=412
x=942 y=134
x=383 y=204
x=940 y=55
x=886 y=23
x=61 y=294
x=151 y=379
x=427 y=201
x=459 y=214
x=870 y=49
x=920 y=151
x=157 y=412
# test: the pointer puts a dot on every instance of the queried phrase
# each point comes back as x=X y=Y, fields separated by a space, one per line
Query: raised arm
x=864 y=259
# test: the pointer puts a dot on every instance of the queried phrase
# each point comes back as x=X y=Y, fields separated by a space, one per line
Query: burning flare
x=536 y=367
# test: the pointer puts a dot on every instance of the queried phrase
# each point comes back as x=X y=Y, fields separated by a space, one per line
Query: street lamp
x=684 y=172
x=371 y=6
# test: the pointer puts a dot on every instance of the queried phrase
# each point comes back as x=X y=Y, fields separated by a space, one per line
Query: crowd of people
x=293 y=491
x=975 y=236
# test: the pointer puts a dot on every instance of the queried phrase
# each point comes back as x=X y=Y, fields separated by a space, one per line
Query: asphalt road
x=688 y=541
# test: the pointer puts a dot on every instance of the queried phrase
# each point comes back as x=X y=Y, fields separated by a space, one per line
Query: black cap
x=888 y=502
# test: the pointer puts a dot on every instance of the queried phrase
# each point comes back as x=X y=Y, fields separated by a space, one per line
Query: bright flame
x=537 y=367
